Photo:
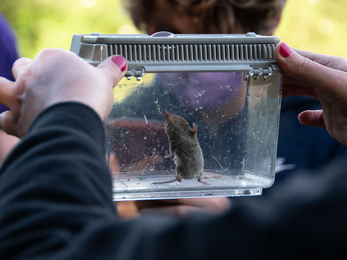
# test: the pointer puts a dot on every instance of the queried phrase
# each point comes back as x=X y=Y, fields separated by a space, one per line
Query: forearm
x=55 y=181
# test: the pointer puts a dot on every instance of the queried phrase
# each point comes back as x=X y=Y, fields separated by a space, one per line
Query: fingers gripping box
x=195 y=115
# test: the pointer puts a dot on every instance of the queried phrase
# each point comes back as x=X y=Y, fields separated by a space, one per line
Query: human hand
x=56 y=76
x=175 y=207
x=320 y=76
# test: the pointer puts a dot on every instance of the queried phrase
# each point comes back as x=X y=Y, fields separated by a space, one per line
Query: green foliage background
x=319 y=26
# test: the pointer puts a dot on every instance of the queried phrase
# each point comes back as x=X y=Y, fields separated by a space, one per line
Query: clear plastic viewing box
x=226 y=89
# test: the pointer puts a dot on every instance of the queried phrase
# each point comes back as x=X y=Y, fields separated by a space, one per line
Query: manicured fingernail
x=120 y=61
x=285 y=50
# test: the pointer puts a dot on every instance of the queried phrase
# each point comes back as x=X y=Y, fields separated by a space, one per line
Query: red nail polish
x=285 y=50
x=120 y=61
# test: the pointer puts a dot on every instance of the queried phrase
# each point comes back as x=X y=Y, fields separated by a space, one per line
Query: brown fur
x=183 y=143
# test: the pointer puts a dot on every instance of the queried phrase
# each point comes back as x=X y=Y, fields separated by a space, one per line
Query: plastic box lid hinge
x=249 y=71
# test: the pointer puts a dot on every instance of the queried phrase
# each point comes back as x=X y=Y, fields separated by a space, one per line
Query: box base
x=219 y=185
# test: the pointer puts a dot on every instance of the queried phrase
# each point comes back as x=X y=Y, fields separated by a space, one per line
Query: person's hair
x=215 y=16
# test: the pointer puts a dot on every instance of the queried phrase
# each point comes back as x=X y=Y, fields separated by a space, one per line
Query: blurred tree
x=315 y=25
x=24 y=18
x=44 y=24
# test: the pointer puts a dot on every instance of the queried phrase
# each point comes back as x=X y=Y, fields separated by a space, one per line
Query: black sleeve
x=56 y=203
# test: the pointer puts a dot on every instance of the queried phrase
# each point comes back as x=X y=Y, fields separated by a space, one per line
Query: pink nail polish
x=285 y=50
x=120 y=61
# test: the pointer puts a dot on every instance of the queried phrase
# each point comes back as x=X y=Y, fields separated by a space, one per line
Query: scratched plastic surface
x=237 y=122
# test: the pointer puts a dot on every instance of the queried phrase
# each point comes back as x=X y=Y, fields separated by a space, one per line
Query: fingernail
x=285 y=50
x=120 y=61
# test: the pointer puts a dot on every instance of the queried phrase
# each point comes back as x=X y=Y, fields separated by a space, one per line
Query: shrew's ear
x=195 y=128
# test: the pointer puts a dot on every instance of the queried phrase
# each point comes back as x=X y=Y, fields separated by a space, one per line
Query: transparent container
x=227 y=89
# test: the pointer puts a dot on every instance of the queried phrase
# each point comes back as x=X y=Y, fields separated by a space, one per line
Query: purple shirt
x=203 y=89
x=8 y=51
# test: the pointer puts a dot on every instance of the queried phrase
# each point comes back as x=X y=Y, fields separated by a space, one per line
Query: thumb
x=312 y=118
x=6 y=123
x=114 y=68
x=304 y=70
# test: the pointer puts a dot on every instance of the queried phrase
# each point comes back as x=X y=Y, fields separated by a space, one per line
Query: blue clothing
x=307 y=147
x=8 y=51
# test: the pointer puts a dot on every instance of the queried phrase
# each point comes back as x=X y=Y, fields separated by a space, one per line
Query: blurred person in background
x=56 y=188
x=311 y=149
x=8 y=55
